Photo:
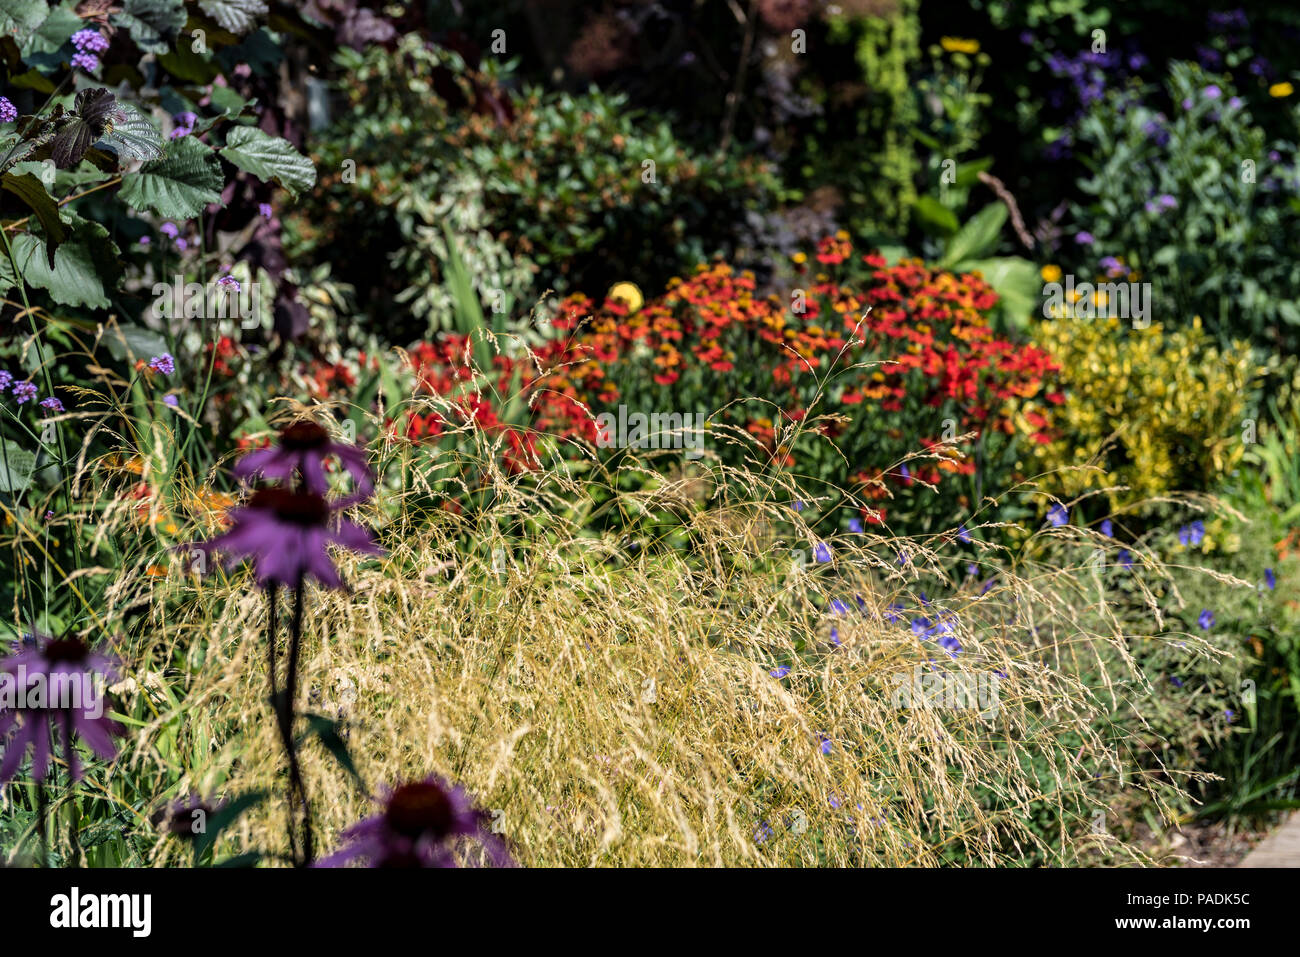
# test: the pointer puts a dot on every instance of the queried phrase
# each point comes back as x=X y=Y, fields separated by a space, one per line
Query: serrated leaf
x=153 y=24
x=237 y=16
x=178 y=186
x=17 y=466
x=127 y=342
x=133 y=137
x=81 y=265
x=28 y=188
x=269 y=158
x=22 y=16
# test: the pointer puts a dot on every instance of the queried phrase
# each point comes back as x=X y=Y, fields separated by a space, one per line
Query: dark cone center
x=296 y=508
x=418 y=809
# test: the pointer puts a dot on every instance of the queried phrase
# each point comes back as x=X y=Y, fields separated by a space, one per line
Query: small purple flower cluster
x=8 y=112
x=89 y=44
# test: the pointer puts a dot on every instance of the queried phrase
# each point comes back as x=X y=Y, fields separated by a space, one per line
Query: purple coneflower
x=285 y=533
x=419 y=826
x=54 y=684
x=303 y=448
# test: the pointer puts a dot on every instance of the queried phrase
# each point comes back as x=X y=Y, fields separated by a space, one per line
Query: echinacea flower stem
x=290 y=695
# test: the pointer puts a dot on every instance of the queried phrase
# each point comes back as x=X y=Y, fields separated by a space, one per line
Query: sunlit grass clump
x=607 y=700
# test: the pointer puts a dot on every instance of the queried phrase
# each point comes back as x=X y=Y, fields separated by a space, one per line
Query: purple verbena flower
x=6 y=380
x=164 y=364
x=90 y=41
x=8 y=112
x=24 y=392
x=1084 y=238
x=420 y=826
x=264 y=209
x=52 y=404
x=170 y=230
x=85 y=61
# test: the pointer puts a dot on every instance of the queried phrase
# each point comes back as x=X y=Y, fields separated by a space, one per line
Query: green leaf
x=133 y=137
x=269 y=157
x=22 y=16
x=936 y=216
x=31 y=191
x=1017 y=284
x=237 y=16
x=178 y=186
x=223 y=817
x=126 y=342
x=154 y=24
x=977 y=238
x=81 y=266
x=16 y=468
x=328 y=731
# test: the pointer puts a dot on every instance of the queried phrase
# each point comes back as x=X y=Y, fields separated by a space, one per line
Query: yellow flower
x=800 y=257
x=1100 y=298
x=1281 y=89
x=1050 y=273
x=628 y=294
x=960 y=45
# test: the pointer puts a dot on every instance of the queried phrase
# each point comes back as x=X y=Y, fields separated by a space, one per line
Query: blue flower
x=1058 y=515
x=1196 y=532
x=963 y=535
x=1107 y=528
x=1229 y=714
x=838 y=607
x=826 y=745
x=1270 y=579
x=1206 y=620
x=921 y=627
x=950 y=644
x=1125 y=558
x=855 y=525
x=780 y=672
x=892 y=613
x=797 y=506
x=822 y=552
x=835 y=637
x=1176 y=681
